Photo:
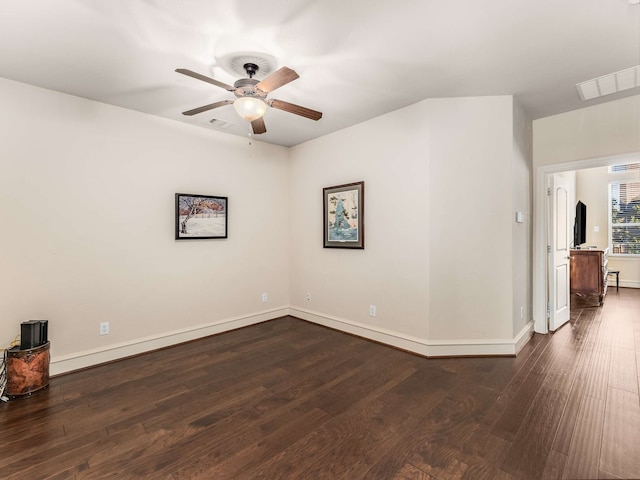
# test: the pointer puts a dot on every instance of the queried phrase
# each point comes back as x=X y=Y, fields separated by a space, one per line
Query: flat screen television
x=580 y=226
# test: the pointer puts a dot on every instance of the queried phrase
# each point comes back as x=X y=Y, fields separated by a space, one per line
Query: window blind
x=624 y=167
x=624 y=227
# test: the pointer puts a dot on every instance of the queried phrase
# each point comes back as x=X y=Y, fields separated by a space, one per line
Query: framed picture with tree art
x=200 y=216
x=343 y=207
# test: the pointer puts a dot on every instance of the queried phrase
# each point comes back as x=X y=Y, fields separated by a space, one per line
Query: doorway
x=542 y=286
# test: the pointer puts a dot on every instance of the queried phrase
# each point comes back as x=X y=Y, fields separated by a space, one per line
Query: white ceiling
x=356 y=59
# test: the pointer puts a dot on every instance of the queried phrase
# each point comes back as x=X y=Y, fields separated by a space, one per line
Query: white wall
x=390 y=155
x=522 y=233
x=439 y=260
x=87 y=208
x=603 y=130
x=592 y=186
x=470 y=215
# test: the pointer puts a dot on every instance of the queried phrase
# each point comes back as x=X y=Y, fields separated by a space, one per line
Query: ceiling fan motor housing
x=246 y=87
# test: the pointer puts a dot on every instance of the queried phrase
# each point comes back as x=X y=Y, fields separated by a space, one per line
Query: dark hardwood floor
x=287 y=399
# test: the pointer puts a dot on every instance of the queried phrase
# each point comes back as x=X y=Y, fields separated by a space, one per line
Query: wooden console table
x=588 y=274
x=27 y=370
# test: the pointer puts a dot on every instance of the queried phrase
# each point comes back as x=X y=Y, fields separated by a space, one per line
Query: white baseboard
x=405 y=342
x=524 y=336
x=88 y=358
x=420 y=346
x=428 y=348
x=623 y=283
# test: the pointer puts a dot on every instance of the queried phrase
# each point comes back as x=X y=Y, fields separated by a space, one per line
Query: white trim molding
x=426 y=348
x=88 y=358
x=421 y=346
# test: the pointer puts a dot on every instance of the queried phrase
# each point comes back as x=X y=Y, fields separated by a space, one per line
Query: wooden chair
x=617 y=274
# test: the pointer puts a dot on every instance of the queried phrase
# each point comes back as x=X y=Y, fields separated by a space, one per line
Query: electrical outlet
x=265 y=298
x=372 y=310
x=308 y=296
x=104 y=328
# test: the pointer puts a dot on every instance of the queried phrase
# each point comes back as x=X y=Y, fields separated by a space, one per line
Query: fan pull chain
x=250 y=149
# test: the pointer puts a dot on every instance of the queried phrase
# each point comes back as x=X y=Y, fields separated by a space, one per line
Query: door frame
x=541 y=221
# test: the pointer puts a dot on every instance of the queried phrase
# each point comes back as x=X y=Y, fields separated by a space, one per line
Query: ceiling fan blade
x=211 y=106
x=204 y=78
x=297 y=109
x=258 y=126
x=277 y=79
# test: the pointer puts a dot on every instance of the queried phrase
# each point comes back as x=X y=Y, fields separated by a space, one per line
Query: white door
x=559 y=255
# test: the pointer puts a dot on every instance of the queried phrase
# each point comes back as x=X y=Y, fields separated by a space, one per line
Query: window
x=624 y=168
x=624 y=226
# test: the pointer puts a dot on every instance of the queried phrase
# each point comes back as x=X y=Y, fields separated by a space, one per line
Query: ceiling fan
x=251 y=102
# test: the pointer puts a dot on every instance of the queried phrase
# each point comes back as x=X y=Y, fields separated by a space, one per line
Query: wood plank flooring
x=287 y=399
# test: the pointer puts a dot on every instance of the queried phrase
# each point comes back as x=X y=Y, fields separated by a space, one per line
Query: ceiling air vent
x=608 y=84
x=216 y=122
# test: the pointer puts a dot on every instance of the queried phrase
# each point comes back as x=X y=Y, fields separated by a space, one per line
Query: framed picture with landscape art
x=200 y=216
x=343 y=207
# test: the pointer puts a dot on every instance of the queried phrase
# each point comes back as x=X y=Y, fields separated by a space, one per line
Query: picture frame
x=200 y=216
x=343 y=216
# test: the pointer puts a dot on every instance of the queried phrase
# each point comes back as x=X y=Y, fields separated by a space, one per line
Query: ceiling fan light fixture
x=250 y=108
